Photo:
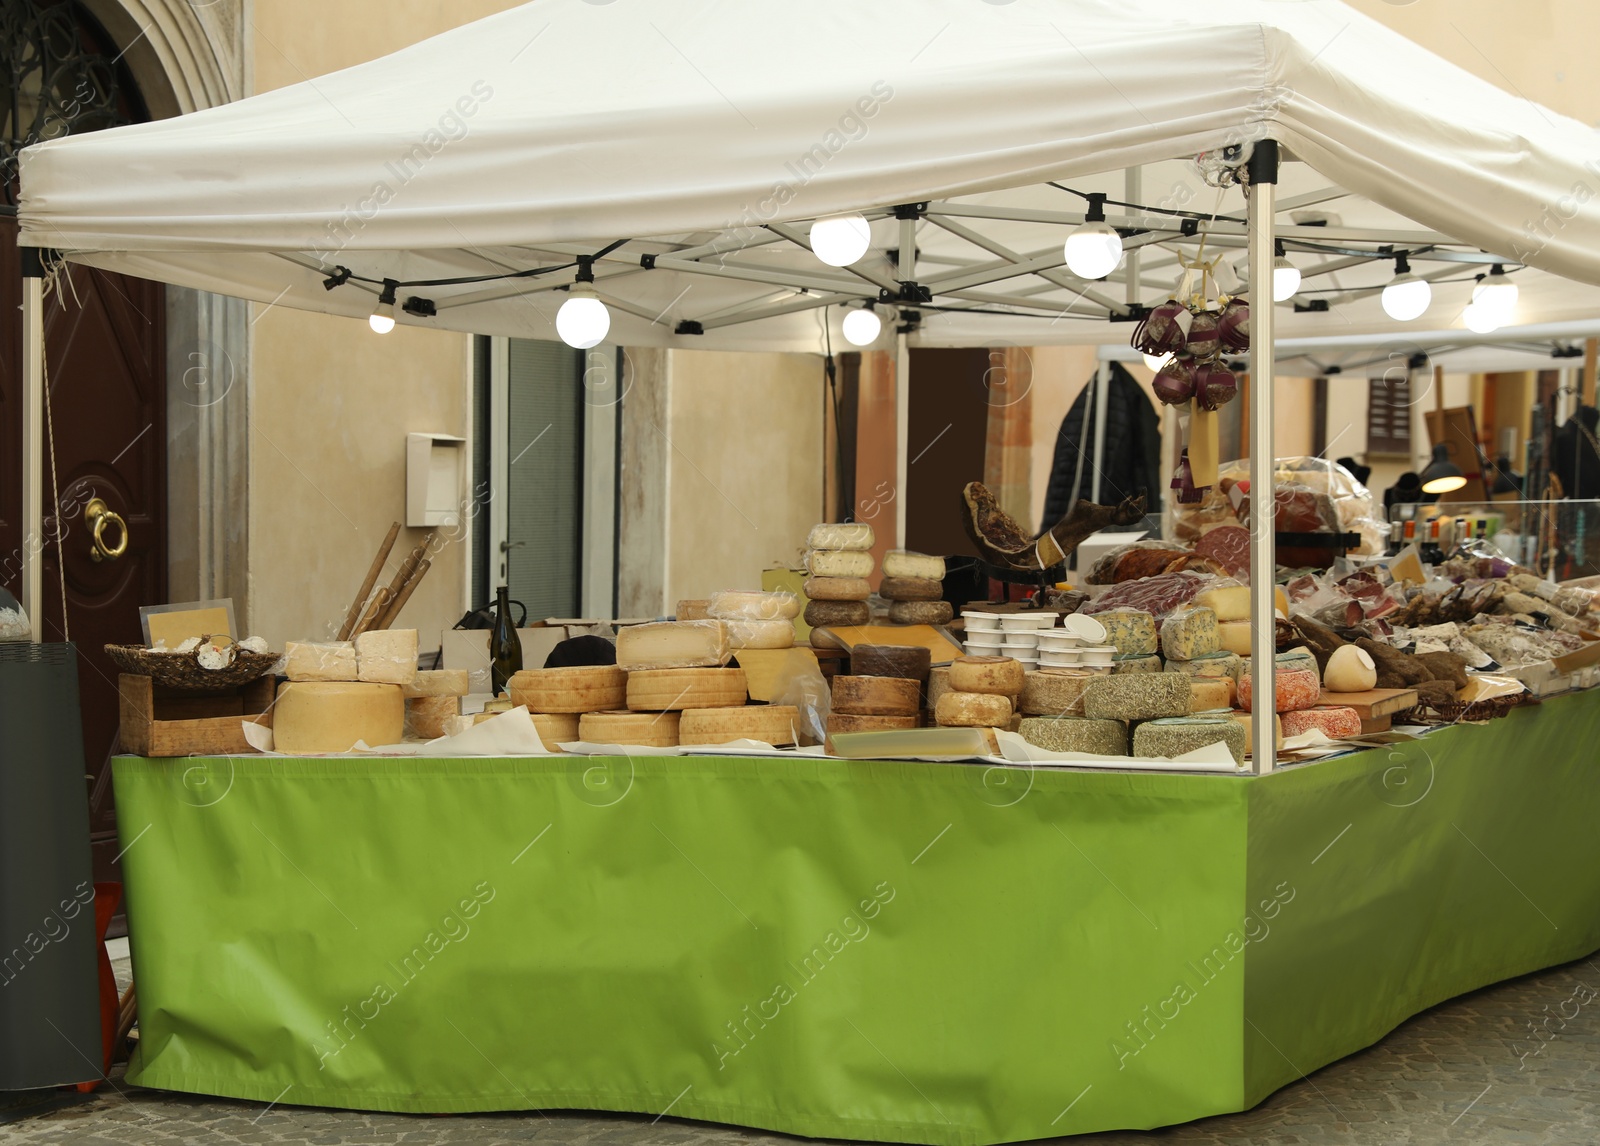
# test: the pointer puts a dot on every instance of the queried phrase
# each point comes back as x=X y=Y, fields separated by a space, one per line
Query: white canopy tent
x=685 y=155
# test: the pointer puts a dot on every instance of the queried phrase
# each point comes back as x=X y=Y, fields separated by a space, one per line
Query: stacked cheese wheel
x=756 y=620
x=839 y=561
x=982 y=693
x=913 y=584
x=874 y=704
x=340 y=693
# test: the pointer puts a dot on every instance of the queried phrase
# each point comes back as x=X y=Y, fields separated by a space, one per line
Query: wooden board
x=1376 y=724
x=765 y=670
x=1373 y=703
x=145 y=733
x=942 y=645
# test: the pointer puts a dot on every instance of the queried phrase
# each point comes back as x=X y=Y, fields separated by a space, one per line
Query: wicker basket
x=182 y=670
x=1455 y=711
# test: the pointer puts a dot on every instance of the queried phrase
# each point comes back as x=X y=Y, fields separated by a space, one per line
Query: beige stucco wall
x=746 y=477
x=331 y=401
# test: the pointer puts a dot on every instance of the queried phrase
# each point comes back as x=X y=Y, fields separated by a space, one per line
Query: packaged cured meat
x=1157 y=595
x=1139 y=559
x=1227 y=546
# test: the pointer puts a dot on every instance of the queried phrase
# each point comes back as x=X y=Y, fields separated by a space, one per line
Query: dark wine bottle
x=505 y=647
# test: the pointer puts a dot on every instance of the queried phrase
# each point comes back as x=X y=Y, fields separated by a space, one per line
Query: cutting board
x=1374 y=702
x=940 y=644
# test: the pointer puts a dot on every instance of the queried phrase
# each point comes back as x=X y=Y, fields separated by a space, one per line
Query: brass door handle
x=97 y=514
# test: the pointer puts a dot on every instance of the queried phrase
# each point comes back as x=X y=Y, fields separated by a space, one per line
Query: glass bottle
x=505 y=646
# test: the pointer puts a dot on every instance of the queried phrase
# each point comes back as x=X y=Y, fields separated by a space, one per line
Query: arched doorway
x=105 y=340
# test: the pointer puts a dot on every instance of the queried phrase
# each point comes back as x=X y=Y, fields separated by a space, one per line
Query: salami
x=1228 y=546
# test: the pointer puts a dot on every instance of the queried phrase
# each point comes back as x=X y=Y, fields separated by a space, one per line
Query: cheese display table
x=868 y=950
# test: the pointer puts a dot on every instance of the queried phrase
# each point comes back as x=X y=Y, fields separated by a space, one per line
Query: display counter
x=868 y=950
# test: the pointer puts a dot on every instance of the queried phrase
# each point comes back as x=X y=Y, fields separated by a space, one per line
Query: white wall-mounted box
x=436 y=479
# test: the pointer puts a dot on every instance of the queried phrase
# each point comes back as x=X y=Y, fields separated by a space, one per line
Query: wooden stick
x=354 y=615
x=409 y=566
x=409 y=588
x=380 y=601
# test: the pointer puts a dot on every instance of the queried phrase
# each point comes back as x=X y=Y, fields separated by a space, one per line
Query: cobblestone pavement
x=1469 y=1071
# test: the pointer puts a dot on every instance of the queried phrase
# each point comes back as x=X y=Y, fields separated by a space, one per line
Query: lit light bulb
x=862 y=327
x=583 y=319
x=1093 y=251
x=382 y=320
x=1157 y=361
x=1285 y=279
x=1406 y=296
x=1482 y=318
x=1496 y=292
x=840 y=239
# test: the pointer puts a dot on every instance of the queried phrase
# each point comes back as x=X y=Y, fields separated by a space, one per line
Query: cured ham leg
x=1004 y=544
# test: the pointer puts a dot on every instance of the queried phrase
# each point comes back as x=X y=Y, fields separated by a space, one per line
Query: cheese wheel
x=437 y=682
x=1350 y=669
x=387 y=656
x=586 y=688
x=1234 y=637
x=752 y=605
x=329 y=716
x=841 y=535
x=921 y=612
x=1297 y=658
x=905 y=563
x=674 y=690
x=1333 y=720
x=429 y=716
x=1054 y=692
x=775 y=724
x=911 y=589
x=1207 y=693
x=1076 y=734
x=1189 y=633
x=645 y=729
x=938 y=684
x=1137 y=696
x=839 y=563
x=855 y=722
x=1131 y=631
x=320 y=660
x=1003 y=676
x=891 y=660
x=1229 y=665
x=693 y=611
x=1232 y=602
x=555 y=729
x=673 y=644
x=826 y=614
x=973 y=710
x=778 y=634
x=1294 y=689
x=1243 y=719
x=1158 y=739
x=876 y=696
x=1135 y=664
x=837 y=588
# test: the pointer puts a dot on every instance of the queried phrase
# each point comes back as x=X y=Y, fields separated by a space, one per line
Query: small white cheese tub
x=1057 y=639
x=994 y=631
x=1091 y=630
x=1064 y=658
x=1020 y=622
x=1028 y=640
x=1098 y=655
x=982 y=649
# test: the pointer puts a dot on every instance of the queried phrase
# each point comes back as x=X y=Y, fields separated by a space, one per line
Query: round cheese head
x=1350 y=669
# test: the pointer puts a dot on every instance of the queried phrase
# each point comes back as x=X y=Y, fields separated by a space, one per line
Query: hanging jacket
x=1574 y=459
x=1131 y=459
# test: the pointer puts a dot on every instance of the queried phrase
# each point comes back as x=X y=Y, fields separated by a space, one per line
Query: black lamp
x=1442 y=474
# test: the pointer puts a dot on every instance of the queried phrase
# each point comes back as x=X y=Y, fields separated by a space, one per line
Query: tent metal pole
x=1132 y=192
x=902 y=434
x=1102 y=392
x=33 y=459
x=1263 y=498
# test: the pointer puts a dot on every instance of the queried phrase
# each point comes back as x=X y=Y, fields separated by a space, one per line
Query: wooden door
x=105 y=353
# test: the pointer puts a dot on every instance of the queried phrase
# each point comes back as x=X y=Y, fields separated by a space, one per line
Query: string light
x=1406 y=297
x=862 y=327
x=1285 y=276
x=1094 y=249
x=841 y=239
x=382 y=320
x=583 y=320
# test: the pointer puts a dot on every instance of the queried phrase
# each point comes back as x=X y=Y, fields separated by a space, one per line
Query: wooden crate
x=163 y=722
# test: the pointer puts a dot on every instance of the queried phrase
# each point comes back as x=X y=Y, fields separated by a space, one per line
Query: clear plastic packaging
x=1313 y=495
x=776 y=634
x=319 y=660
x=841 y=535
x=752 y=605
x=673 y=644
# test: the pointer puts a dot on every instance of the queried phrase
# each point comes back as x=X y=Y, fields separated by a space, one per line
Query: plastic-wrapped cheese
x=1136 y=663
x=837 y=588
x=1333 y=720
x=1189 y=633
x=1243 y=719
x=1295 y=689
x=1000 y=676
x=692 y=610
x=876 y=696
x=673 y=644
x=826 y=614
x=972 y=710
x=840 y=535
x=839 y=562
x=1207 y=693
x=1296 y=658
x=911 y=589
x=437 y=682
x=674 y=690
x=904 y=563
x=327 y=716
x=1137 y=696
x=1054 y=692
x=1234 y=637
x=1076 y=734
x=1232 y=602
x=921 y=612
x=578 y=688
x=1175 y=736
x=778 y=634
x=1132 y=631
x=320 y=660
x=387 y=656
x=1228 y=665
x=428 y=717
x=751 y=605
x=774 y=724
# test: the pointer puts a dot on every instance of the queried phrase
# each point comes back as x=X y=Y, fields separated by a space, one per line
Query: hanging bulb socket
x=382 y=320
